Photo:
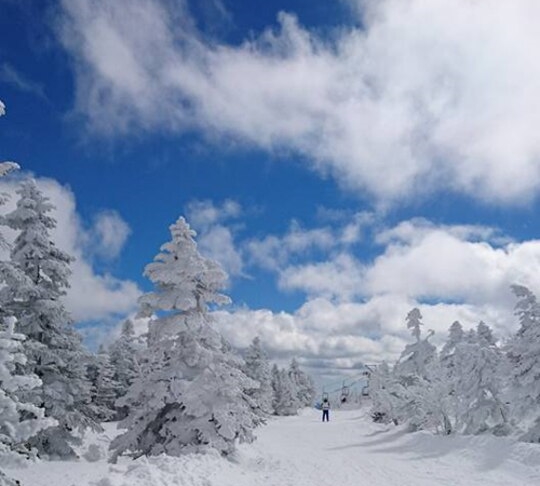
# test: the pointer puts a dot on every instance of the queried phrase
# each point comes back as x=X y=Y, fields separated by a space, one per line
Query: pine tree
x=419 y=378
x=53 y=348
x=104 y=386
x=453 y=357
x=285 y=398
x=192 y=395
x=302 y=384
x=125 y=354
x=524 y=356
x=480 y=384
x=257 y=367
x=417 y=357
x=385 y=392
x=6 y=167
x=10 y=405
x=19 y=420
x=455 y=336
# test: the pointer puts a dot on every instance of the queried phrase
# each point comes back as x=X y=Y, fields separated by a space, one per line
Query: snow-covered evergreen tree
x=385 y=392
x=524 y=356
x=104 y=386
x=18 y=420
x=285 y=398
x=6 y=167
x=455 y=336
x=125 y=354
x=9 y=403
x=452 y=361
x=420 y=379
x=417 y=357
x=192 y=394
x=53 y=348
x=302 y=384
x=480 y=385
x=257 y=367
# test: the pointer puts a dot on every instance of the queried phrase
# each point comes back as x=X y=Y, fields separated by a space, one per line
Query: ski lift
x=344 y=393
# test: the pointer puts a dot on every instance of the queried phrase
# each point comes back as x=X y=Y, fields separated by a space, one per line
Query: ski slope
x=350 y=450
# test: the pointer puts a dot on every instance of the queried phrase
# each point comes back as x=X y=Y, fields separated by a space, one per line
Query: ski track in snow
x=302 y=451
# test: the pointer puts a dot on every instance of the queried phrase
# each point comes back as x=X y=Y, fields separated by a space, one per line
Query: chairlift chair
x=344 y=393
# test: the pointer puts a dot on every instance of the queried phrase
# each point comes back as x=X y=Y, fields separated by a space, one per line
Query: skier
x=325 y=409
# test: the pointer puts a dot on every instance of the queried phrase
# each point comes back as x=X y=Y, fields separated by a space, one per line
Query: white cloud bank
x=429 y=95
x=355 y=308
x=92 y=296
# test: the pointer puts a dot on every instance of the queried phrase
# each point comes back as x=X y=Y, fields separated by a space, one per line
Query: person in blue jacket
x=325 y=407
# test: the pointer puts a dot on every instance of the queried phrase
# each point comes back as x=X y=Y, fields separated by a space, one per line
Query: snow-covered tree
x=8 y=274
x=125 y=354
x=452 y=362
x=302 y=384
x=417 y=357
x=192 y=394
x=455 y=336
x=285 y=398
x=385 y=392
x=524 y=356
x=419 y=378
x=18 y=420
x=104 y=386
x=257 y=367
x=480 y=385
x=52 y=346
x=6 y=167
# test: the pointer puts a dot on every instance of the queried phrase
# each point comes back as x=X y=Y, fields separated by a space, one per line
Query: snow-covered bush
x=192 y=393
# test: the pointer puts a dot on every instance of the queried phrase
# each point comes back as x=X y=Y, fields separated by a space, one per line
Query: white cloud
x=431 y=95
x=215 y=240
x=452 y=263
x=108 y=234
x=10 y=75
x=339 y=277
x=92 y=296
x=272 y=252
x=331 y=337
x=275 y=252
x=218 y=243
x=203 y=214
x=419 y=260
x=355 y=309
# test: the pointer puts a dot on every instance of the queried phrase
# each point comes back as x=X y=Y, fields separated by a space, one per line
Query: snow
x=302 y=451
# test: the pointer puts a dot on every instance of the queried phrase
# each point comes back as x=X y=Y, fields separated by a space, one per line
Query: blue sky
x=343 y=160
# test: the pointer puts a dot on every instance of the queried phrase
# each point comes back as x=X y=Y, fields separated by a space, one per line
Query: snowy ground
x=302 y=451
